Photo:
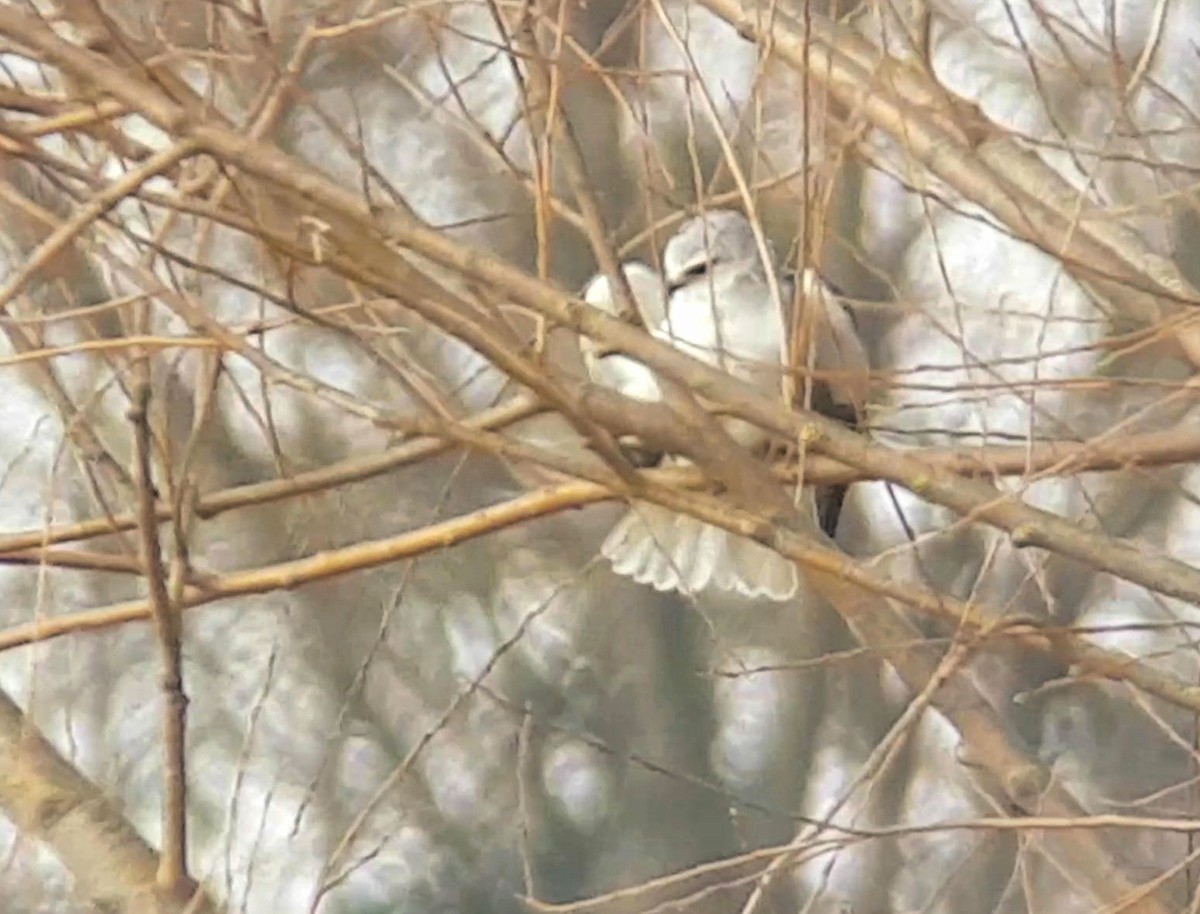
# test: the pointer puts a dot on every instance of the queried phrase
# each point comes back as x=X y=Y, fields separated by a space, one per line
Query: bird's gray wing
x=838 y=349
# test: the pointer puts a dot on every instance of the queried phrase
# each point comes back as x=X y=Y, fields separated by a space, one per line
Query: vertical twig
x=550 y=119
x=172 y=868
x=525 y=775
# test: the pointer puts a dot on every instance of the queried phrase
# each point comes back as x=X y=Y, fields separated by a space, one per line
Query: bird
x=720 y=309
x=615 y=371
x=836 y=347
x=619 y=372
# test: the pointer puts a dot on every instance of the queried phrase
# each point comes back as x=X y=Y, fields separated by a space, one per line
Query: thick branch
x=971 y=620
x=48 y=799
x=1059 y=458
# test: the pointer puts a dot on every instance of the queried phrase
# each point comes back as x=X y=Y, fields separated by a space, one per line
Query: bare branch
x=984 y=164
x=45 y=795
x=172 y=870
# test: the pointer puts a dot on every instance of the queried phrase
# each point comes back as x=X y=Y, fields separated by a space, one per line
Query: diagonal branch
x=987 y=166
x=113 y=867
x=1059 y=458
x=592 y=484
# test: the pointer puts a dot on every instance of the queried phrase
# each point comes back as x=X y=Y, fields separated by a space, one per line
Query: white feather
x=619 y=372
x=723 y=312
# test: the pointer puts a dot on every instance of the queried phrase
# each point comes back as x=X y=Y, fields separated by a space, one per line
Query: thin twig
x=172 y=869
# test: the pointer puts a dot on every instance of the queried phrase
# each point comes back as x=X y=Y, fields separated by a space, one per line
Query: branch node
x=1024 y=535
x=921 y=484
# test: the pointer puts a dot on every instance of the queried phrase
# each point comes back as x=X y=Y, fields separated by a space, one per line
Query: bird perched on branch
x=721 y=310
x=836 y=347
x=618 y=372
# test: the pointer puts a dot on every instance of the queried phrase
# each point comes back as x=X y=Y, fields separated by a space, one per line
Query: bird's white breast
x=729 y=320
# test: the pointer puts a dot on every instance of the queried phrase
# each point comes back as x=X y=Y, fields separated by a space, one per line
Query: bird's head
x=705 y=244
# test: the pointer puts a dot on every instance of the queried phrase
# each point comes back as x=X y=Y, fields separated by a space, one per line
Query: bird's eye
x=695 y=271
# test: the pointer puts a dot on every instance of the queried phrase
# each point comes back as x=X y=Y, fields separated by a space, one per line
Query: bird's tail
x=670 y=551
